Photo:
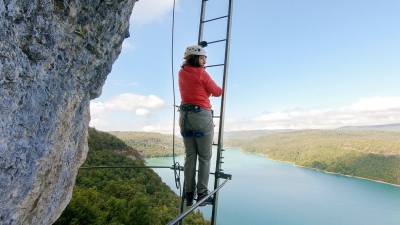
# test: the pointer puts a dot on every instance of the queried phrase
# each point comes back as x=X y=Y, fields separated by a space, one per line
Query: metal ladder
x=218 y=167
x=218 y=170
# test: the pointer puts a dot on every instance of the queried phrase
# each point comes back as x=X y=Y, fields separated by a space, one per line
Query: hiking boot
x=189 y=198
x=208 y=201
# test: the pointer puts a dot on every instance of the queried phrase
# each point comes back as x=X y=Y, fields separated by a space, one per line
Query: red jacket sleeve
x=210 y=85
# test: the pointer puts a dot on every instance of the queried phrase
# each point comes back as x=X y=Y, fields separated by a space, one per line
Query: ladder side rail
x=202 y=16
x=222 y=112
x=183 y=204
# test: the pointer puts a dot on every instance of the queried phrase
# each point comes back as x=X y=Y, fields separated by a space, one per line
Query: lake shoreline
x=274 y=190
x=276 y=160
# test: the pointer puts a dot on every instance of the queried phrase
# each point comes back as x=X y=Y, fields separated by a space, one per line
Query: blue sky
x=309 y=64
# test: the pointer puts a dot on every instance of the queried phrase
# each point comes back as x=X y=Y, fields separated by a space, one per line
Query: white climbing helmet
x=194 y=50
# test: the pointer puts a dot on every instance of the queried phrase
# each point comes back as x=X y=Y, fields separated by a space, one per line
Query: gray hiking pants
x=190 y=121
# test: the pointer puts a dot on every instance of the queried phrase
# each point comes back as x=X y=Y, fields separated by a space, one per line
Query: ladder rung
x=222 y=149
x=212 y=42
x=205 y=21
x=216 y=117
x=214 y=144
x=216 y=65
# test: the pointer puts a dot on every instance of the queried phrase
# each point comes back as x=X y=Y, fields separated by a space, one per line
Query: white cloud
x=131 y=102
x=133 y=84
x=374 y=104
x=139 y=104
x=127 y=45
x=160 y=127
x=130 y=112
x=124 y=84
x=97 y=111
x=146 y=11
x=367 y=111
x=142 y=112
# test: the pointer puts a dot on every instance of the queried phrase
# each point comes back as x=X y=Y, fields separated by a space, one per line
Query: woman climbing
x=195 y=121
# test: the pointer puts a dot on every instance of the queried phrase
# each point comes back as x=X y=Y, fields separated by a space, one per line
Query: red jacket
x=196 y=86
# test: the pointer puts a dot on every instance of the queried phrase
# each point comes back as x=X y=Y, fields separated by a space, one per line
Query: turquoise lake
x=263 y=191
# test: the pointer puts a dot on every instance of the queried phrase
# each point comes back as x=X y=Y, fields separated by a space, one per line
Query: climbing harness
x=190 y=108
x=195 y=133
x=185 y=109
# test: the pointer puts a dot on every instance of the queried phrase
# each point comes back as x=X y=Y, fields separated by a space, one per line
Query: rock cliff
x=54 y=58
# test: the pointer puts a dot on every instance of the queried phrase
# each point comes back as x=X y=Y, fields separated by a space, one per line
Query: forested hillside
x=368 y=154
x=120 y=196
x=151 y=144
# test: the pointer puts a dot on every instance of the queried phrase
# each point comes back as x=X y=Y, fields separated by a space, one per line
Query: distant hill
x=386 y=127
x=372 y=154
x=150 y=144
x=366 y=151
x=249 y=134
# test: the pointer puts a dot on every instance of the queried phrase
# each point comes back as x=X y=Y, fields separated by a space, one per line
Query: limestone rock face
x=54 y=57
